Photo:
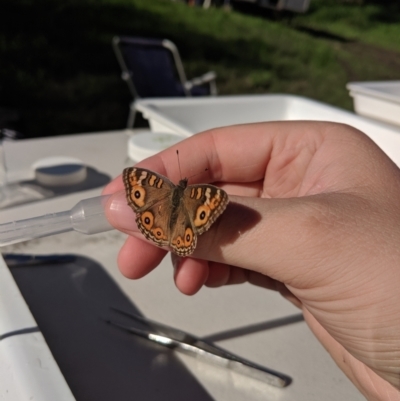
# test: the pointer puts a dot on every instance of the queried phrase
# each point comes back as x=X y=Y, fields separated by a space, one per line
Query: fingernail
x=176 y=261
x=119 y=213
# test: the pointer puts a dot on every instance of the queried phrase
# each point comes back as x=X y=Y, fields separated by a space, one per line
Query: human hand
x=314 y=214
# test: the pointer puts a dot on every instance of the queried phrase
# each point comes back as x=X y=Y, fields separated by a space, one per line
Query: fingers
x=221 y=274
x=138 y=257
x=189 y=274
x=276 y=159
x=231 y=154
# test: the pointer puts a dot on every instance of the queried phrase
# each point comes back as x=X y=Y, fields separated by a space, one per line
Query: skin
x=314 y=213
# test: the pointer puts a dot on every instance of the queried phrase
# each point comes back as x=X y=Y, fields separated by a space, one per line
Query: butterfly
x=172 y=215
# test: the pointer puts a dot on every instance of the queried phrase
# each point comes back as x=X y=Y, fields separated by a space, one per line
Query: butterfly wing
x=205 y=203
x=183 y=237
x=144 y=188
x=149 y=194
x=172 y=215
x=201 y=206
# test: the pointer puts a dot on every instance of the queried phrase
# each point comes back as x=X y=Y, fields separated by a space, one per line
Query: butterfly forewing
x=144 y=188
x=149 y=196
x=205 y=203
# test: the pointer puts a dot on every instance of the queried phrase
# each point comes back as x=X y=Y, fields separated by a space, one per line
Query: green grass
x=58 y=70
x=375 y=23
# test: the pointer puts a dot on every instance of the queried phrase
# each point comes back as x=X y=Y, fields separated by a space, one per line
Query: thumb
x=287 y=239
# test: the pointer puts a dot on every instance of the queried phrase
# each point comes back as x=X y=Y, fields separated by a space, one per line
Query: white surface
x=193 y=115
x=291 y=349
x=20 y=156
x=2 y=166
x=28 y=370
x=379 y=100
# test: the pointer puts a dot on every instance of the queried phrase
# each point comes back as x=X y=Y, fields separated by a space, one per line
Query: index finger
x=229 y=154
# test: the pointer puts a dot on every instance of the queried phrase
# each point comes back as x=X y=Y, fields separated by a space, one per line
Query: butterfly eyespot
x=138 y=195
x=188 y=236
x=177 y=242
x=158 y=233
x=147 y=220
x=202 y=215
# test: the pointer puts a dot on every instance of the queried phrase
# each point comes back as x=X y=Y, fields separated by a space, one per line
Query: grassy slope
x=375 y=23
x=59 y=72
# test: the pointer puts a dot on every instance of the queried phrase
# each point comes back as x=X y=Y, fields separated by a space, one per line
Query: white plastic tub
x=379 y=100
x=187 y=116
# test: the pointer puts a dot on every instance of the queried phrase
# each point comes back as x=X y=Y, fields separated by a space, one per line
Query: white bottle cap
x=59 y=171
x=146 y=144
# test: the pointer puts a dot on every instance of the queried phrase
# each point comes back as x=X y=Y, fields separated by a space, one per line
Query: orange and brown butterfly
x=172 y=215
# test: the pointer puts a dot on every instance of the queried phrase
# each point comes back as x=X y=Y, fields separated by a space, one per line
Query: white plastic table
x=252 y=322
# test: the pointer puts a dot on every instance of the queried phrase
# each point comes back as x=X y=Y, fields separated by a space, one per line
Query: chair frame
x=207 y=78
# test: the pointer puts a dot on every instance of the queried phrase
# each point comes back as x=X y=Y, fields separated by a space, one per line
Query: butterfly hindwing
x=183 y=236
x=154 y=223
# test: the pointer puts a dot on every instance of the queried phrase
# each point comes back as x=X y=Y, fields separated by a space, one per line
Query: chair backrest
x=151 y=68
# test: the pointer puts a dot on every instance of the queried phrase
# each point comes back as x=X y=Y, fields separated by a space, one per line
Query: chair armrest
x=125 y=76
x=203 y=79
x=207 y=78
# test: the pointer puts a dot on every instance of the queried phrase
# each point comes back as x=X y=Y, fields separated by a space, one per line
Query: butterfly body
x=172 y=215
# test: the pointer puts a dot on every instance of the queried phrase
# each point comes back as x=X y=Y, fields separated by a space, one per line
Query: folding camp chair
x=153 y=68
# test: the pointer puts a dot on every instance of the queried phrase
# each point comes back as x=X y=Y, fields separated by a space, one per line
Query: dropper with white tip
x=87 y=217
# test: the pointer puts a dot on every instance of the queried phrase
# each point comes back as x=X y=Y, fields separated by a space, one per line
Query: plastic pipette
x=86 y=217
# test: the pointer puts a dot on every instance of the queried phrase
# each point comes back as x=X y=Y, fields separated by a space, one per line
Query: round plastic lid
x=146 y=144
x=59 y=171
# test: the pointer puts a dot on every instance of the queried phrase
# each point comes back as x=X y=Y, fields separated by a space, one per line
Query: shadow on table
x=69 y=299
x=32 y=191
x=255 y=328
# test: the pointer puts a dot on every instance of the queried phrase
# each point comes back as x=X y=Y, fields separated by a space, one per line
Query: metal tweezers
x=194 y=346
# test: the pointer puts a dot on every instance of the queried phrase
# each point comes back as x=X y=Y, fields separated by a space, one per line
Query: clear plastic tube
x=86 y=217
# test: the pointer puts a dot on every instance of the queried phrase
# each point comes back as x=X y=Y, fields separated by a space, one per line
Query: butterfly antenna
x=194 y=175
x=179 y=163
x=180 y=171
